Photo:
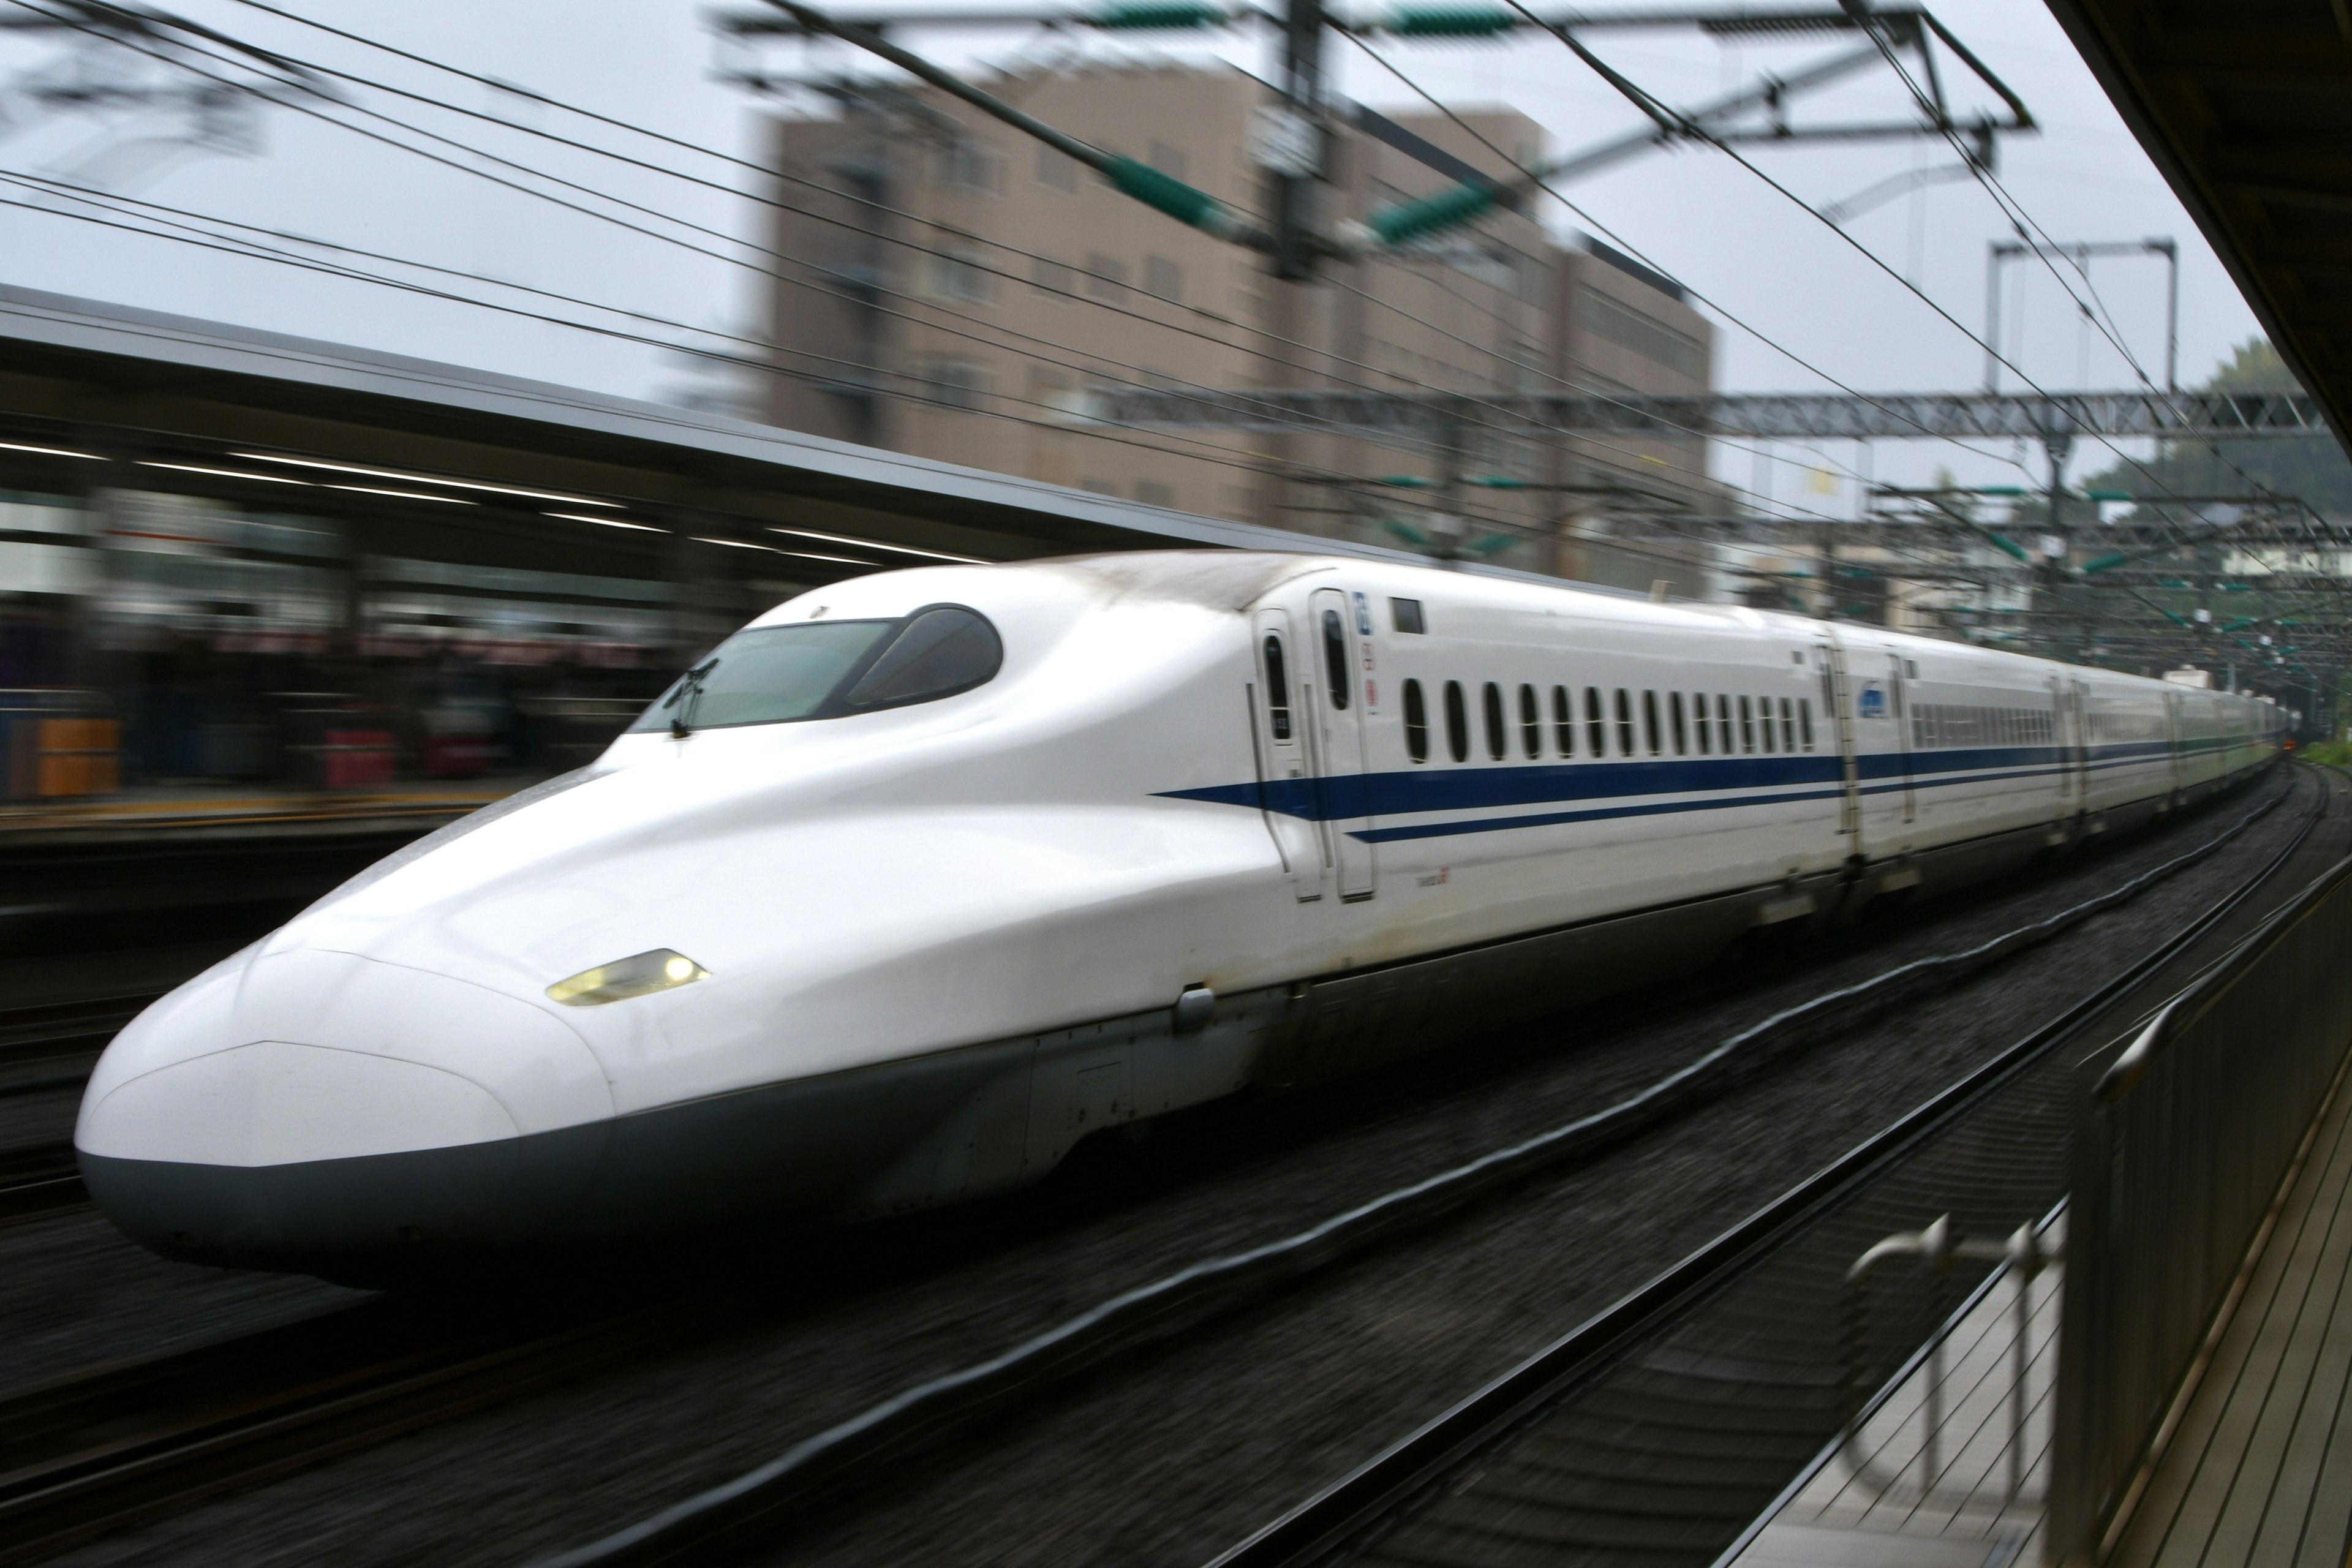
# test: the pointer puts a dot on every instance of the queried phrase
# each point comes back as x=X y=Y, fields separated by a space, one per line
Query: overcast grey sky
x=1754 y=255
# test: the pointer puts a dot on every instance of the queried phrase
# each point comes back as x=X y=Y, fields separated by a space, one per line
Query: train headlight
x=641 y=975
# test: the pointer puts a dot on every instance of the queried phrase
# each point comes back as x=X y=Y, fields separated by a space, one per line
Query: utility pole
x=1303 y=138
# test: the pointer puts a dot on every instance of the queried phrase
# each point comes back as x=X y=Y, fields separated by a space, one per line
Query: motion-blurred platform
x=183 y=812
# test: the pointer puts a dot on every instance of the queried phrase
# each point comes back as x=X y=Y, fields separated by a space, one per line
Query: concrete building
x=954 y=288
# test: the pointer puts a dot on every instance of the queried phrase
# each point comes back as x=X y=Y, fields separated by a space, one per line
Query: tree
x=2312 y=467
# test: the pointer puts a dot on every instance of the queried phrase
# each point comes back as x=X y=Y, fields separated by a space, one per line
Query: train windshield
x=767 y=675
x=821 y=670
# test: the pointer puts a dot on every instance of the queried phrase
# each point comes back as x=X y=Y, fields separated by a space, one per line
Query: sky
x=1797 y=305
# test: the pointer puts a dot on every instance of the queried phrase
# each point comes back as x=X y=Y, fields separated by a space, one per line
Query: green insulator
x=1450 y=21
x=1499 y=482
x=1406 y=481
x=1159 y=15
x=2105 y=562
x=2011 y=545
x=1412 y=220
x=1170 y=194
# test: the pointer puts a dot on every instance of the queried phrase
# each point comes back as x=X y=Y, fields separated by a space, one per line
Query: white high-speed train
x=924 y=876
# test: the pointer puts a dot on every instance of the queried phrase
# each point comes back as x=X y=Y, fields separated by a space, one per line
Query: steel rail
x=1363 y=1503
x=90 y=1454
x=732 y=1516
x=38 y=1180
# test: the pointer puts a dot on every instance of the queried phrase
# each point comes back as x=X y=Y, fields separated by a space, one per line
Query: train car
x=925 y=876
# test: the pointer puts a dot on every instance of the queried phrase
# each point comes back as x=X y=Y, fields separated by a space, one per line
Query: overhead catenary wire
x=926 y=304
x=670 y=239
x=1326 y=355
x=922 y=302
x=1220 y=456
x=1547 y=188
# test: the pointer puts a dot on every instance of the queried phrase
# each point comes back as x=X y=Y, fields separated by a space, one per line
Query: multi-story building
x=952 y=289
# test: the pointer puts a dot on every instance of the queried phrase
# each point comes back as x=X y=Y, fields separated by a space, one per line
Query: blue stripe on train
x=1449 y=789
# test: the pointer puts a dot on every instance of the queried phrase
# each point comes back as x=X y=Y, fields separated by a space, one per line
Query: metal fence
x=2180 y=1144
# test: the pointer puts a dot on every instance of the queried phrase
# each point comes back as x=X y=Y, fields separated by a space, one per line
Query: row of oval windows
x=1738 y=725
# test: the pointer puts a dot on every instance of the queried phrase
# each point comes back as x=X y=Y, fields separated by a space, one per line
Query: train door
x=2176 y=772
x=1284 y=701
x=1898 y=693
x=1341 y=631
x=2081 y=703
x=1828 y=661
x=1879 y=757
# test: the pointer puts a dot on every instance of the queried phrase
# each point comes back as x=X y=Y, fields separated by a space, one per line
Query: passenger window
x=1624 y=723
x=1335 y=659
x=1457 y=722
x=1765 y=703
x=1493 y=703
x=1723 y=721
x=1563 y=720
x=1416 y=722
x=940 y=652
x=1682 y=732
x=1277 y=688
x=1706 y=729
x=1649 y=720
x=1746 y=725
x=1805 y=720
x=1788 y=728
x=1596 y=729
x=1530 y=722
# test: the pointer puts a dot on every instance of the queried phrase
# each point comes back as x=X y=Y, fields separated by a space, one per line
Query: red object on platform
x=358 y=759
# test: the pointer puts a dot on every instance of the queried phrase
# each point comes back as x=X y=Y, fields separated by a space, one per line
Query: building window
x=957 y=274
x=1169 y=161
x=1151 y=493
x=1163 y=278
x=1056 y=169
x=1054 y=278
x=1653 y=340
x=968 y=163
x=957 y=383
x=1106 y=276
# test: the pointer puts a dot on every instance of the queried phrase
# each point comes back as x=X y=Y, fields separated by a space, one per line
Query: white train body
x=930 y=945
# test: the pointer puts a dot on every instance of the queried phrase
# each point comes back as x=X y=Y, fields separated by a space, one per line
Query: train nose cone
x=316 y=1109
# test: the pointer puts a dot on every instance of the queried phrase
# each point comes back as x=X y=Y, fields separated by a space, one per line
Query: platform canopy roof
x=168 y=397
x=2246 y=108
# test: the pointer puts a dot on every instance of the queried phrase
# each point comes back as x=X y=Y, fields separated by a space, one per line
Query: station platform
x=2256 y=1469
x=182 y=812
x=2259 y=1468
x=1925 y=1488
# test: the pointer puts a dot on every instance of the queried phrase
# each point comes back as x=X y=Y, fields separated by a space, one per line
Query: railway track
x=134 y=1442
x=38 y=1180
x=1660 y=1430
x=753 y=1510
x=52 y=1045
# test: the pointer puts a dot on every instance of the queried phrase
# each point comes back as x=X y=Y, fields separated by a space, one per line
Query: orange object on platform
x=78 y=756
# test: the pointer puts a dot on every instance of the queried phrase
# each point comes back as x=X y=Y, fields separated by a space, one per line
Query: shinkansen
x=923 y=877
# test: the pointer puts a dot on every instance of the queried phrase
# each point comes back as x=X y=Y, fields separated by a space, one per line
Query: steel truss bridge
x=1766 y=417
